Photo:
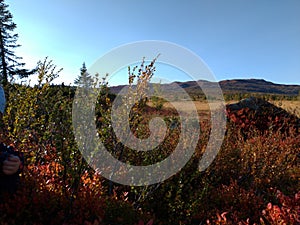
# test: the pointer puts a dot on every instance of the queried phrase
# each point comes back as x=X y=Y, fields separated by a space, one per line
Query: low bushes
x=253 y=180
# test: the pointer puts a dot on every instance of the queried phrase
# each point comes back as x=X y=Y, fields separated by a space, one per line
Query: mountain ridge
x=231 y=86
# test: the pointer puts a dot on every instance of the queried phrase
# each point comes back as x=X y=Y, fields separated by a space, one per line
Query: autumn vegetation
x=253 y=180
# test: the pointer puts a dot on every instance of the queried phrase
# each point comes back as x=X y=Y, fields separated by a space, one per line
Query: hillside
x=231 y=86
x=258 y=86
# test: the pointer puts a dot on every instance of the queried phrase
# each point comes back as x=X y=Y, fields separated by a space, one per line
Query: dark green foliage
x=84 y=79
x=9 y=63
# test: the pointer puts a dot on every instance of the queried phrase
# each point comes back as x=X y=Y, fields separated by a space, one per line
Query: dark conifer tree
x=10 y=64
x=84 y=79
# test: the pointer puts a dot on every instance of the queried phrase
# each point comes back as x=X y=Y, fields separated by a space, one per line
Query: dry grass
x=290 y=106
x=187 y=106
x=203 y=107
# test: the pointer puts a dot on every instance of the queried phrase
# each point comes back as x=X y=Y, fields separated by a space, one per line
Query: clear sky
x=235 y=38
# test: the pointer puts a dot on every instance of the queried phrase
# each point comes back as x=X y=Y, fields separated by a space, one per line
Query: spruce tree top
x=10 y=64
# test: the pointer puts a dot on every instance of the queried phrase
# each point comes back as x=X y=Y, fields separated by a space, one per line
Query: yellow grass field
x=290 y=106
x=203 y=107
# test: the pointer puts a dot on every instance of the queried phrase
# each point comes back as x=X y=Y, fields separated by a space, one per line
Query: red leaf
x=150 y=222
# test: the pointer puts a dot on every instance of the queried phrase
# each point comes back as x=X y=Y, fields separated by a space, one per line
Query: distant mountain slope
x=258 y=86
x=231 y=86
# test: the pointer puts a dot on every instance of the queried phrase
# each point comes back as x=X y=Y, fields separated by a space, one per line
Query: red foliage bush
x=45 y=200
x=286 y=211
x=255 y=113
x=42 y=199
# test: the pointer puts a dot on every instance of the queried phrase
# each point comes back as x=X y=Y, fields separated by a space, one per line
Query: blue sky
x=235 y=38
